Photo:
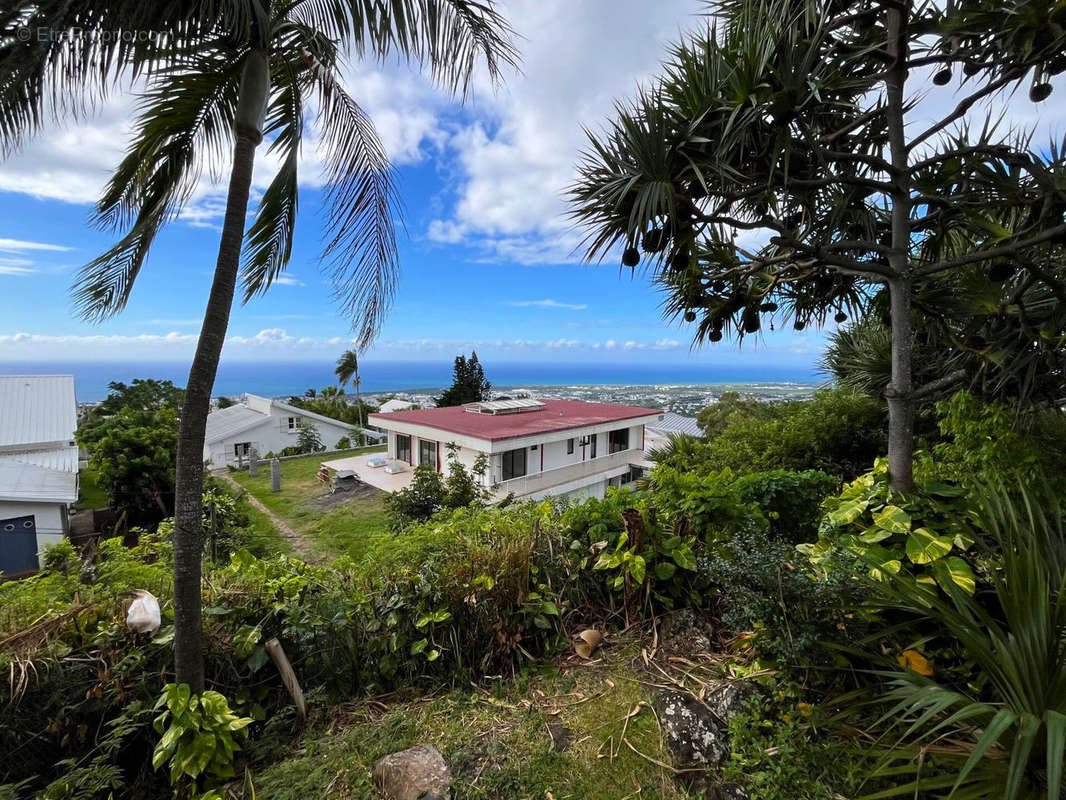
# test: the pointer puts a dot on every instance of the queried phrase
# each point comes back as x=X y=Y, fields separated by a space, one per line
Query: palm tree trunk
x=358 y=413
x=899 y=391
x=189 y=477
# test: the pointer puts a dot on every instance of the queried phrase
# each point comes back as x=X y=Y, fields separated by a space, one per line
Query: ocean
x=280 y=378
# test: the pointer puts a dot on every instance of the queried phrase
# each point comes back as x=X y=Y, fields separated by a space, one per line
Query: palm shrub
x=1006 y=719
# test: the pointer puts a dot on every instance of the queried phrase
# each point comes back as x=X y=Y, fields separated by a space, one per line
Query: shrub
x=430 y=493
x=1004 y=706
x=837 y=431
x=790 y=609
x=707 y=505
x=791 y=501
x=343 y=443
x=308 y=439
x=989 y=443
x=925 y=532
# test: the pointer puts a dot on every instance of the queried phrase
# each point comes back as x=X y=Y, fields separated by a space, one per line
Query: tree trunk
x=899 y=391
x=358 y=413
x=189 y=477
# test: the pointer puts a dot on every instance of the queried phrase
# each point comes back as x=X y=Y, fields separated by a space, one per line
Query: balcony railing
x=538 y=481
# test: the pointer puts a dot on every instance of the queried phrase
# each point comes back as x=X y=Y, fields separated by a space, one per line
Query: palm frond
x=60 y=57
x=362 y=203
x=268 y=242
x=448 y=37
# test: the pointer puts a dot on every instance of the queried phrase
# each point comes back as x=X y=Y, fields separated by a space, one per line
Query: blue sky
x=488 y=260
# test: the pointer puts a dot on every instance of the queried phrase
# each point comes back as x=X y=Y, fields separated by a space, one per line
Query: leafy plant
x=200 y=734
x=927 y=531
x=1007 y=721
x=791 y=501
x=790 y=610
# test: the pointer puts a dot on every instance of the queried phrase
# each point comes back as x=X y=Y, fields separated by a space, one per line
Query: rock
x=561 y=735
x=685 y=632
x=727 y=699
x=694 y=733
x=727 y=791
x=418 y=773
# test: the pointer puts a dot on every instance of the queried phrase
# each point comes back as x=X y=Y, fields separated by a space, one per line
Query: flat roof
x=556 y=415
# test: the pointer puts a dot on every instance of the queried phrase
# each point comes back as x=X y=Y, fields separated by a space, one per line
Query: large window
x=403 y=448
x=514 y=463
x=427 y=453
x=618 y=440
x=592 y=446
x=292 y=423
x=569 y=447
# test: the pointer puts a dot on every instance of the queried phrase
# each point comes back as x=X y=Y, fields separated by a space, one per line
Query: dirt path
x=302 y=548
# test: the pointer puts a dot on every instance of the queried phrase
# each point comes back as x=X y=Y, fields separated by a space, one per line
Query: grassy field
x=335 y=525
x=90 y=494
x=556 y=733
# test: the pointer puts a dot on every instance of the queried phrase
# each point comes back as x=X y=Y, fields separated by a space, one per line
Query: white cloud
x=18 y=246
x=9 y=269
x=547 y=304
x=289 y=280
x=275 y=342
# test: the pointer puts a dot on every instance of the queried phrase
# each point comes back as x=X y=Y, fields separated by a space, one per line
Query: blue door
x=18 y=545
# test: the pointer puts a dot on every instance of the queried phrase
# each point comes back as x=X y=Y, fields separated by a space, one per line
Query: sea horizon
x=285 y=377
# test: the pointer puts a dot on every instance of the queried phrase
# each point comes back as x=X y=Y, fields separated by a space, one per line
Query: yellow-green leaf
x=924 y=546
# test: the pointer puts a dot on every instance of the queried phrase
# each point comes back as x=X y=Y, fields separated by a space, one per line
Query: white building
x=535 y=448
x=395 y=404
x=38 y=466
x=669 y=424
x=263 y=425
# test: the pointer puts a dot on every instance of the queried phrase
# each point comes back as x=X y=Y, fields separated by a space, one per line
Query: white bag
x=143 y=616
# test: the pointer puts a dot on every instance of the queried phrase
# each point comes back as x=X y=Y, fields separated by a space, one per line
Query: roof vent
x=497 y=407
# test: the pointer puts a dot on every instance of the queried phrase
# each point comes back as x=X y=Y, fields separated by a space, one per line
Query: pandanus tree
x=221 y=76
x=347 y=371
x=779 y=169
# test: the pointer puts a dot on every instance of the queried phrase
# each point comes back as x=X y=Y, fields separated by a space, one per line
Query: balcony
x=539 y=481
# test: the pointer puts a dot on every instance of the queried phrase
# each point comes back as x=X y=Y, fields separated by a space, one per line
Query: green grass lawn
x=554 y=733
x=90 y=495
x=335 y=524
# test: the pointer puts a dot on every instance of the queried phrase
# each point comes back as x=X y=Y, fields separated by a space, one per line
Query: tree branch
x=949 y=380
x=995 y=252
x=964 y=105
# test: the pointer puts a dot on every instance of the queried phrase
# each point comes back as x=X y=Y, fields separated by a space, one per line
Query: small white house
x=395 y=405
x=534 y=448
x=38 y=466
x=265 y=426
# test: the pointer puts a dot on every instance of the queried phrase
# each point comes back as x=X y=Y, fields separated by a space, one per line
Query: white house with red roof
x=535 y=448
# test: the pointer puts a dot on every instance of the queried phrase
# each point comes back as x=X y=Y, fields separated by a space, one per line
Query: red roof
x=556 y=415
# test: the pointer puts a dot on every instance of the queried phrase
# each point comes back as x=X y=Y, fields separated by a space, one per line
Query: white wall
x=50 y=518
x=273 y=436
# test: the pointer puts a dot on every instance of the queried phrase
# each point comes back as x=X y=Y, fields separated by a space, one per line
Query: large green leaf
x=848 y=512
x=953 y=570
x=894 y=519
x=924 y=546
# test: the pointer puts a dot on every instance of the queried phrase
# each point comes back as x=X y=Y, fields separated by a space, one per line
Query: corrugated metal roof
x=395 y=405
x=28 y=482
x=35 y=409
x=675 y=423
x=228 y=421
x=556 y=415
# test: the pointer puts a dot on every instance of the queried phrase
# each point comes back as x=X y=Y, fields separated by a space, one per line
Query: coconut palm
x=223 y=75
x=347 y=370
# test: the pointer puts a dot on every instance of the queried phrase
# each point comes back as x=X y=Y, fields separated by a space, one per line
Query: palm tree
x=224 y=74
x=348 y=371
